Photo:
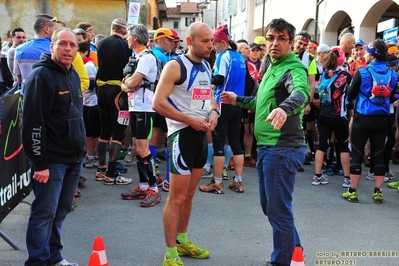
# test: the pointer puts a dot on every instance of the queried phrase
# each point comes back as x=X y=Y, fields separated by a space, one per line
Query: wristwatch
x=215 y=110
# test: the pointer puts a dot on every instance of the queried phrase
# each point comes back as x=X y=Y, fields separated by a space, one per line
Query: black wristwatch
x=215 y=110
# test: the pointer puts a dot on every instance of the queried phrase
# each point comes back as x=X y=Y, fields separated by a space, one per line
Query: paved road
x=231 y=226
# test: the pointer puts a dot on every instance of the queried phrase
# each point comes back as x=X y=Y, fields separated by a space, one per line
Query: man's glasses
x=20 y=37
x=54 y=19
x=280 y=39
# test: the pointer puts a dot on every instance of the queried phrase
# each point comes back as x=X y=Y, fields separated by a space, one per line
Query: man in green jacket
x=282 y=96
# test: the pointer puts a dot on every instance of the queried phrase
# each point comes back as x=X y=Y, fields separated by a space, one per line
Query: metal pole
x=216 y=14
x=316 y=21
x=9 y=241
x=263 y=18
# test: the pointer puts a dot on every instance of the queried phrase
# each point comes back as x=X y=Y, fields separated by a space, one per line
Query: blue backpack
x=324 y=88
x=380 y=89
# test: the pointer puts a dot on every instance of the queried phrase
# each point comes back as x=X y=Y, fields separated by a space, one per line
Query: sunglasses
x=54 y=19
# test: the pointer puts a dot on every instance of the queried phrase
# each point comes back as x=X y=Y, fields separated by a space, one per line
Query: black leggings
x=110 y=101
x=388 y=145
x=228 y=125
x=338 y=125
x=375 y=129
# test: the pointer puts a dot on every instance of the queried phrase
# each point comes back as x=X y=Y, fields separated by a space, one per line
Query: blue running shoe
x=327 y=171
x=120 y=168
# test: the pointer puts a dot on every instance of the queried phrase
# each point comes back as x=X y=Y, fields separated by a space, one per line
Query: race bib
x=200 y=99
x=123 y=118
x=130 y=100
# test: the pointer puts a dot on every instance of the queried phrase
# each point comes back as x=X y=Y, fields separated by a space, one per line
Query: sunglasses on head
x=54 y=19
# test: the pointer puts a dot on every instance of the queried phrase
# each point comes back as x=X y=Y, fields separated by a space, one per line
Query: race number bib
x=123 y=118
x=200 y=99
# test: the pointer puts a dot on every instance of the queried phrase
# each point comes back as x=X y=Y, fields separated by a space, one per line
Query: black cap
x=254 y=45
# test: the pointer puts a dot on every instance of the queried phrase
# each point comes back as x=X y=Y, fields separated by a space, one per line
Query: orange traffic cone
x=94 y=259
x=297 y=257
x=99 y=249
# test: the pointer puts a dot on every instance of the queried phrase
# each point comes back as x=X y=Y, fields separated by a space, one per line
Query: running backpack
x=324 y=89
x=131 y=66
x=380 y=89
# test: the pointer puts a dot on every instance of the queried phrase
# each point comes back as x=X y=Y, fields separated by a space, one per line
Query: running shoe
x=207 y=173
x=225 y=174
x=151 y=199
x=121 y=155
x=136 y=193
x=92 y=163
x=172 y=262
x=64 y=262
x=394 y=184
x=327 y=171
x=82 y=181
x=74 y=205
x=165 y=186
x=249 y=162
x=236 y=186
x=120 y=168
x=390 y=175
x=159 y=181
x=346 y=183
x=301 y=169
x=158 y=160
x=100 y=174
x=86 y=160
x=212 y=187
x=117 y=180
x=322 y=180
x=370 y=176
x=377 y=197
x=190 y=249
x=351 y=197
x=128 y=157
x=78 y=193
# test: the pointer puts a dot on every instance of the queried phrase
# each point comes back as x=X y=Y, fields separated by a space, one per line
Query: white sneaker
x=64 y=262
x=322 y=180
x=346 y=183
x=390 y=175
x=370 y=176
x=207 y=173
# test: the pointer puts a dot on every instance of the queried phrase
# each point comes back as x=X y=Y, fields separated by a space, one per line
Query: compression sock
x=154 y=151
x=227 y=154
x=181 y=238
x=171 y=252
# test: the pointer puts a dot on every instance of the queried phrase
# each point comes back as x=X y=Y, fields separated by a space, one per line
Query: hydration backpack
x=380 y=89
x=324 y=88
x=131 y=66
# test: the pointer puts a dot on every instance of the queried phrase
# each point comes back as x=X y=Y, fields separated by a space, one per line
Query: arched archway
x=337 y=23
x=380 y=11
x=309 y=26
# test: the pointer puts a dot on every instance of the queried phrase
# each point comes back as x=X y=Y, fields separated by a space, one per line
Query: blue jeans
x=52 y=203
x=277 y=167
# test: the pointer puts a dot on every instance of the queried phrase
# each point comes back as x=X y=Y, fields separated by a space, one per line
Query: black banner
x=14 y=166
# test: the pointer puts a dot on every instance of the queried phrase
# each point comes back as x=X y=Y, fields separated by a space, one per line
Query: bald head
x=244 y=49
x=347 y=42
x=197 y=27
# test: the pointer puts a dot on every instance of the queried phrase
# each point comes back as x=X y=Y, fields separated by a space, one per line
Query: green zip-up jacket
x=284 y=85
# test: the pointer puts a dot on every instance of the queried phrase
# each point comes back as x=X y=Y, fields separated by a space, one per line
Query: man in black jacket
x=53 y=138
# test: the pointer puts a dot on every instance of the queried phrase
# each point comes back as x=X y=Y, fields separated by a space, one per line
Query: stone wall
x=99 y=13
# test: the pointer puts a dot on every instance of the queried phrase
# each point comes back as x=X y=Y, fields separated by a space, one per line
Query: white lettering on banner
x=17 y=183
x=200 y=99
x=36 y=141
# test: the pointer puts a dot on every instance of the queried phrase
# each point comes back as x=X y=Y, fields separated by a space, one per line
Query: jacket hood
x=45 y=60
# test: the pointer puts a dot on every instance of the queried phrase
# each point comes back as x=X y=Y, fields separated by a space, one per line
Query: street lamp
x=200 y=7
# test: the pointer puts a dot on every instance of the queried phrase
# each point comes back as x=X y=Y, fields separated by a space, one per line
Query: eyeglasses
x=279 y=39
x=54 y=19
x=20 y=37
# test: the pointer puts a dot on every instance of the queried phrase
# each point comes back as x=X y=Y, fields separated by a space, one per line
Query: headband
x=302 y=38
